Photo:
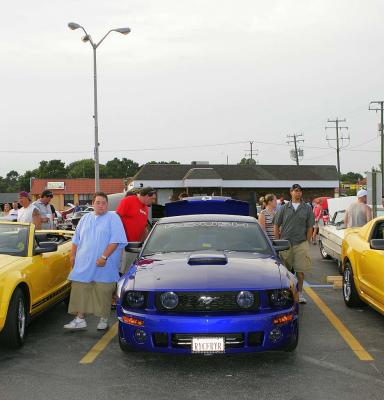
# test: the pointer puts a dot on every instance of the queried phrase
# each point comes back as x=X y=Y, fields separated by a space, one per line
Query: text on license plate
x=208 y=345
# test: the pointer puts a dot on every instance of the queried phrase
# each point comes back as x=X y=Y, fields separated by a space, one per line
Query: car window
x=207 y=235
x=14 y=239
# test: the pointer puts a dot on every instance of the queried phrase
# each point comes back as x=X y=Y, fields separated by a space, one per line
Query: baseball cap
x=361 y=193
x=296 y=186
x=47 y=193
x=24 y=194
x=147 y=191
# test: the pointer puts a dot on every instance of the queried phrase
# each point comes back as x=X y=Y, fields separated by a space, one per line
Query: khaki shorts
x=297 y=257
x=91 y=298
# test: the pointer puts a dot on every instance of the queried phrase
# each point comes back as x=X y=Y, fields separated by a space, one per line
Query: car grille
x=184 y=340
x=190 y=302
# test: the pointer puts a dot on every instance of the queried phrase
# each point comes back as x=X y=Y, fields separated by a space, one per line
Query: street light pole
x=87 y=38
x=95 y=116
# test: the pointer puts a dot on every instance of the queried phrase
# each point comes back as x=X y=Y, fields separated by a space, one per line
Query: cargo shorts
x=297 y=257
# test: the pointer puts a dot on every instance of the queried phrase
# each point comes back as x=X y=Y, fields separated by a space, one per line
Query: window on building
x=85 y=198
x=69 y=198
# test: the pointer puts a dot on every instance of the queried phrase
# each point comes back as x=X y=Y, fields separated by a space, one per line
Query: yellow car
x=363 y=265
x=34 y=266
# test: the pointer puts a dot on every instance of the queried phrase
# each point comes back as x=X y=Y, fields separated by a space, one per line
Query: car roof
x=207 y=217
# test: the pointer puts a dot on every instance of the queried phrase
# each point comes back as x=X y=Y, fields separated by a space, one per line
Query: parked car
x=331 y=235
x=34 y=266
x=363 y=265
x=207 y=284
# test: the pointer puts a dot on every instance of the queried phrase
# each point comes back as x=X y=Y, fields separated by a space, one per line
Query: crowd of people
x=97 y=255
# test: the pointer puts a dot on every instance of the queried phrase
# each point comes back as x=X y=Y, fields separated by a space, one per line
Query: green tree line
x=116 y=168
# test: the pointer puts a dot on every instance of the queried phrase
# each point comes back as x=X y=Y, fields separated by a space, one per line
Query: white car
x=331 y=235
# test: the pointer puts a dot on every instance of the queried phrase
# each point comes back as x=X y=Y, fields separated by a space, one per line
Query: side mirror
x=46 y=247
x=281 y=245
x=133 y=247
x=377 y=244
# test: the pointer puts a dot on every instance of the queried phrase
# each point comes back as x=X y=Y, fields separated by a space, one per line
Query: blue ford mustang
x=208 y=284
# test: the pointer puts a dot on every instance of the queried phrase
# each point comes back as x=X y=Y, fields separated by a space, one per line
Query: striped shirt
x=268 y=223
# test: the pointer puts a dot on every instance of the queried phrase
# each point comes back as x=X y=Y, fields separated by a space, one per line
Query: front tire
x=350 y=295
x=294 y=340
x=323 y=253
x=13 y=334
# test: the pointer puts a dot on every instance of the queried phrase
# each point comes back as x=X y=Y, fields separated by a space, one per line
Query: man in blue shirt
x=96 y=251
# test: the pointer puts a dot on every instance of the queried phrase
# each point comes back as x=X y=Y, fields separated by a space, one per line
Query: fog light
x=275 y=335
x=140 y=336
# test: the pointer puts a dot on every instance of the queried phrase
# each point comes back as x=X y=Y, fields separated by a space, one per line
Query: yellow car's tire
x=350 y=295
x=13 y=334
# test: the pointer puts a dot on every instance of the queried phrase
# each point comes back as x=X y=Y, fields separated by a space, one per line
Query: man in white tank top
x=358 y=213
x=28 y=212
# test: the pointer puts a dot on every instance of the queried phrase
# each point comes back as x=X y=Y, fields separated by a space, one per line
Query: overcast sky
x=194 y=80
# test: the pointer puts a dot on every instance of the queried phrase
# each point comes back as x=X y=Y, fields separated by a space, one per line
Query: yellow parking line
x=99 y=346
x=352 y=342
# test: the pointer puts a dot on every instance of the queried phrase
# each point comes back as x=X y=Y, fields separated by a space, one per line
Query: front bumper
x=242 y=333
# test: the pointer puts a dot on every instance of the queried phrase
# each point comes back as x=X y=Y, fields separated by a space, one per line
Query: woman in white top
x=28 y=212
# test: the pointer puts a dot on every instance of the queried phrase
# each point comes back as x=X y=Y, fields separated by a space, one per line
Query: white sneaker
x=77 y=323
x=302 y=299
x=103 y=324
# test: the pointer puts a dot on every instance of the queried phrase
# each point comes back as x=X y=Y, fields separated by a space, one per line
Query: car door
x=371 y=268
x=49 y=272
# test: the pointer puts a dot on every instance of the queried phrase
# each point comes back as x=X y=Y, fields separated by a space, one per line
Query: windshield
x=207 y=235
x=338 y=217
x=14 y=239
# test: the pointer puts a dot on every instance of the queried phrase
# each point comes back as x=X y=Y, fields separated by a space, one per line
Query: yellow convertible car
x=363 y=265
x=34 y=266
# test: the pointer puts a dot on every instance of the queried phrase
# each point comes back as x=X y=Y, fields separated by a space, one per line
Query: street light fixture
x=87 y=38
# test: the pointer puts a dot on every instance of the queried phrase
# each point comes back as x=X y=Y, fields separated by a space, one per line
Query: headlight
x=169 y=300
x=281 y=297
x=135 y=299
x=245 y=299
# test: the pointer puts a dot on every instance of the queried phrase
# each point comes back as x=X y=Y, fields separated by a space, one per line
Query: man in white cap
x=358 y=213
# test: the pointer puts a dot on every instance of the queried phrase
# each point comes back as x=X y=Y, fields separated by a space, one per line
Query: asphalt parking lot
x=327 y=363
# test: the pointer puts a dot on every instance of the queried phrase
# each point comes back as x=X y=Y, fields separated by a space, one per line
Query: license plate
x=208 y=345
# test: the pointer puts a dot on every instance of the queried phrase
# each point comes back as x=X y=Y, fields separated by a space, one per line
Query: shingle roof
x=79 y=185
x=241 y=172
x=8 y=197
x=202 y=173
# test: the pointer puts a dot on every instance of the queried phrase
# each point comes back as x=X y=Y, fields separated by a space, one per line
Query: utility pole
x=252 y=152
x=339 y=138
x=297 y=152
x=381 y=109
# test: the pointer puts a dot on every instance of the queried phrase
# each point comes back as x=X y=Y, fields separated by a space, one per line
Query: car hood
x=6 y=260
x=241 y=271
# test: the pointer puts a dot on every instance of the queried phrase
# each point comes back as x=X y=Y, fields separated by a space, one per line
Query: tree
x=81 y=169
x=25 y=180
x=247 y=161
x=11 y=181
x=351 y=177
x=120 y=168
x=51 y=169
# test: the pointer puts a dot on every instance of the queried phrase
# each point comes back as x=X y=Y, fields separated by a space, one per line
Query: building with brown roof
x=236 y=181
x=79 y=190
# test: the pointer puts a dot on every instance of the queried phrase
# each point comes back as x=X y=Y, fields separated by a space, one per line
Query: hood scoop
x=207 y=259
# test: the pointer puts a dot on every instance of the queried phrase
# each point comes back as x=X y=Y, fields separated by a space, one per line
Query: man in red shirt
x=133 y=211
